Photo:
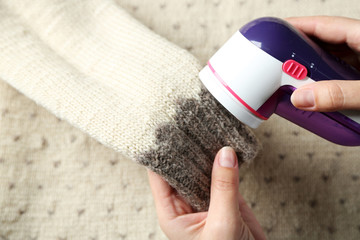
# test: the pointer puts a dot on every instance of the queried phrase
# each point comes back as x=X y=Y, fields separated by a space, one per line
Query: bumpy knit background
x=57 y=183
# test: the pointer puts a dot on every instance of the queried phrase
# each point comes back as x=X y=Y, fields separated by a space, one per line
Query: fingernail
x=304 y=98
x=227 y=157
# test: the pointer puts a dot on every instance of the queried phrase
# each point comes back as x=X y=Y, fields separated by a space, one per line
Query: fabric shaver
x=255 y=72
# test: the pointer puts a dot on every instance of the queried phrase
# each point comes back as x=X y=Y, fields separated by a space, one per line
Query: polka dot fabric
x=57 y=183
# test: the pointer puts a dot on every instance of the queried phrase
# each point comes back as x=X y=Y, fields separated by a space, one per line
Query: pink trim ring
x=234 y=94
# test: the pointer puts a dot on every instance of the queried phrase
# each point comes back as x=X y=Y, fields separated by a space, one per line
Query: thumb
x=224 y=219
x=327 y=96
x=224 y=199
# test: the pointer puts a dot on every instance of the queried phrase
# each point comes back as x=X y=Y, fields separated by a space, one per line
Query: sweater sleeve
x=92 y=64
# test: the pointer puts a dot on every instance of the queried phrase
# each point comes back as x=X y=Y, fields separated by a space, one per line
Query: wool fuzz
x=92 y=64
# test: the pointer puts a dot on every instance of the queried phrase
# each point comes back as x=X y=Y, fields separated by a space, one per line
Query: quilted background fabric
x=58 y=183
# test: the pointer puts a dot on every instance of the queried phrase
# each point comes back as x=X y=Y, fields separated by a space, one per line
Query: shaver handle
x=326 y=125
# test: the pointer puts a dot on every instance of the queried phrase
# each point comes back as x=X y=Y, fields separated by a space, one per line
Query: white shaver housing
x=242 y=77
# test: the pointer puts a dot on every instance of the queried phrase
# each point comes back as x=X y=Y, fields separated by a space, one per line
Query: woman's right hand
x=335 y=94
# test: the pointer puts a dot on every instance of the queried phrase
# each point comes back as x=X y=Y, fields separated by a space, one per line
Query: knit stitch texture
x=93 y=65
x=58 y=183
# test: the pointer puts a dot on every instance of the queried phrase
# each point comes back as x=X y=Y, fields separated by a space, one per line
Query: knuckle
x=243 y=205
x=336 y=96
x=163 y=223
x=220 y=226
x=225 y=225
x=354 y=42
x=224 y=184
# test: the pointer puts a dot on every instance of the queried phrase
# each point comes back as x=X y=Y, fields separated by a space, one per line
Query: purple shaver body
x=283 y=42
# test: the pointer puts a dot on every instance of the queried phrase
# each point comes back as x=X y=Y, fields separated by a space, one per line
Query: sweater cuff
x=185 y=148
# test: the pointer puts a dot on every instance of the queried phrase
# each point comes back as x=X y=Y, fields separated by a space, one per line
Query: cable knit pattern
x=58 y=183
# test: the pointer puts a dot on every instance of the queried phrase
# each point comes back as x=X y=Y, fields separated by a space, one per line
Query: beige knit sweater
x=90 y=63
x=58 y=183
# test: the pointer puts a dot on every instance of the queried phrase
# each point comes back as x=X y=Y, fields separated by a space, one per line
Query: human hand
x=228 y=217
x=336 y=94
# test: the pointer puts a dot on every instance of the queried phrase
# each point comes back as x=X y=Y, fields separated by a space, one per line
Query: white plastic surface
x=227 y=100
x=250 y=72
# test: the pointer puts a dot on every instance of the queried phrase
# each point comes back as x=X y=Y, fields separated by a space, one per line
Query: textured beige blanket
x=58 y=183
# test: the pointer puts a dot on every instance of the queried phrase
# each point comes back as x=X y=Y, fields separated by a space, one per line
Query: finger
x=224 y=218
x=162 y=193
x=224 y=198
x=330 y=29
x=326 y=96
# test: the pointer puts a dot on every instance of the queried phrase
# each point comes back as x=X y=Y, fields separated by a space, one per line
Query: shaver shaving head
x=228 y=98
x=251 y=66
x=242 y=77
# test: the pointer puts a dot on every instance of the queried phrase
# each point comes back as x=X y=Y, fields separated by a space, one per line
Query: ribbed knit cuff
x=185 y=149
